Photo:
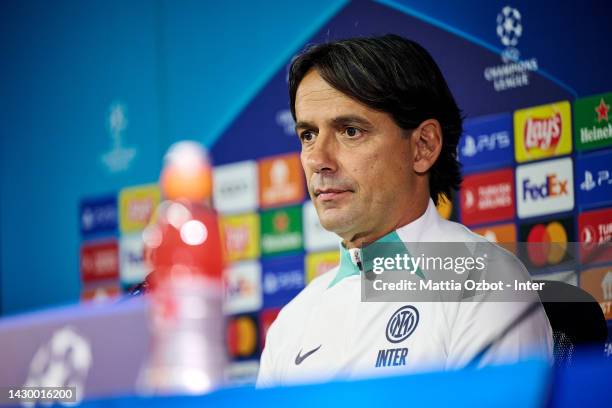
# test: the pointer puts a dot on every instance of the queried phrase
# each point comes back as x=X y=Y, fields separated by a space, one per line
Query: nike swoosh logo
x=299 y=358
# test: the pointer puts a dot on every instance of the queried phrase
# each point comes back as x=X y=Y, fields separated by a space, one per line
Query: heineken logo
x=602 y=111
x=543 y=133
x=592 y=125
x=281 y=230
x=281 y=222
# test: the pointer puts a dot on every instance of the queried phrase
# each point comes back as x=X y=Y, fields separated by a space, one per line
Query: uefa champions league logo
x=514 y=72
x=64 y=361
x=509 y=30
x=119 y=158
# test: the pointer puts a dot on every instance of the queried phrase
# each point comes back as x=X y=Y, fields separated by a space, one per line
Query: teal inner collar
x=348 y=268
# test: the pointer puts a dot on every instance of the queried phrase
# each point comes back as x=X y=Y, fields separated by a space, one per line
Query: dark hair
x=396 y=76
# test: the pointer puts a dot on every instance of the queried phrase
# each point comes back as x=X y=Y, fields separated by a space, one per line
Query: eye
x=352 y=131
x=307 y=136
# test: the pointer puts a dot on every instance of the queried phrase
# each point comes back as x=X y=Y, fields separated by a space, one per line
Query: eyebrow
x=341 y=120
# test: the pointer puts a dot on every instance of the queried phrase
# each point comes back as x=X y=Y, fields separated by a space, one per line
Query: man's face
x=358 y=162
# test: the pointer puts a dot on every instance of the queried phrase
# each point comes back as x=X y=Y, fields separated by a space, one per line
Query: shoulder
x=450 y=231
x=301 y=304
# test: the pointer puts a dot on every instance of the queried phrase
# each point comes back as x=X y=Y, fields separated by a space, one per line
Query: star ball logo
x=509 y=31
x=402 y=324
x=514 y=72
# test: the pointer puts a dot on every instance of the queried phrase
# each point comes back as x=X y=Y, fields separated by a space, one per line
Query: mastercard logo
x=445 y=207
x=242 y=336
x=547 y=243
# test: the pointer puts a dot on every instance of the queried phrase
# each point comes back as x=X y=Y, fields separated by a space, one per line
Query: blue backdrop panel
x=64 y=65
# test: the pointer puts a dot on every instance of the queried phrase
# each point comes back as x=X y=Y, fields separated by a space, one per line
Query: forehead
x=316 y=98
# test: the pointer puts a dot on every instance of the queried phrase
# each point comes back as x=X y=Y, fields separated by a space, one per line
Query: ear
x=427 y=145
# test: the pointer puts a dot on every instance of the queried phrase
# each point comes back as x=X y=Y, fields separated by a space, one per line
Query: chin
x=336 y=225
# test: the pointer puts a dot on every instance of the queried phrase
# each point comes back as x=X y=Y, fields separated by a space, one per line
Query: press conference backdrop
x=103 y=89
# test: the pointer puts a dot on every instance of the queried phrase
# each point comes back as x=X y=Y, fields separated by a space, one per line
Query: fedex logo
x=553 y=186
x=545 y=188
x=543 y=133
x=243 y=287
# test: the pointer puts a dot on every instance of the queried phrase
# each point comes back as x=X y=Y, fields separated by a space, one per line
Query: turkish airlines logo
x=599 y=233
x=595 y=229
x=487 y=197
x=99 y=260
x=543 y=133
x=491 y=196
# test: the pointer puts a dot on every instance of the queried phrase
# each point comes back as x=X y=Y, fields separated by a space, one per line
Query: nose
x=320 y=157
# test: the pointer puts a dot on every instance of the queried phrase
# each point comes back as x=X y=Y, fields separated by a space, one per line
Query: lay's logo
x=542 y=131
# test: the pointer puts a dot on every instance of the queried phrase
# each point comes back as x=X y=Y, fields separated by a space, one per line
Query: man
x=379 y=130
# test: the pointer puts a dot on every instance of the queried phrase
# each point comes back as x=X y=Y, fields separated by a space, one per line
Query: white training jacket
x=326 y=332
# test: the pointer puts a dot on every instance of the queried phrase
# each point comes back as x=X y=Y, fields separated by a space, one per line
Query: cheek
x=307 y=173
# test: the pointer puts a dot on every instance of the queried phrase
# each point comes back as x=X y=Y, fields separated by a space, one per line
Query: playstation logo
x=469 y=149
x=588 y=184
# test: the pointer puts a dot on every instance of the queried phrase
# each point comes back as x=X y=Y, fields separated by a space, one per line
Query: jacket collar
x=351 y=259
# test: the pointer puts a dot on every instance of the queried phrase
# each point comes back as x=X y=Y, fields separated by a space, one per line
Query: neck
x=360 y=239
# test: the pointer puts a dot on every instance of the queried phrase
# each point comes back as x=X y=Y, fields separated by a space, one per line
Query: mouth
x=329 y=194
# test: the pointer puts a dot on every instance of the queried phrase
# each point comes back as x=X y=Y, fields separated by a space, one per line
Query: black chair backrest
x=575 y=317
